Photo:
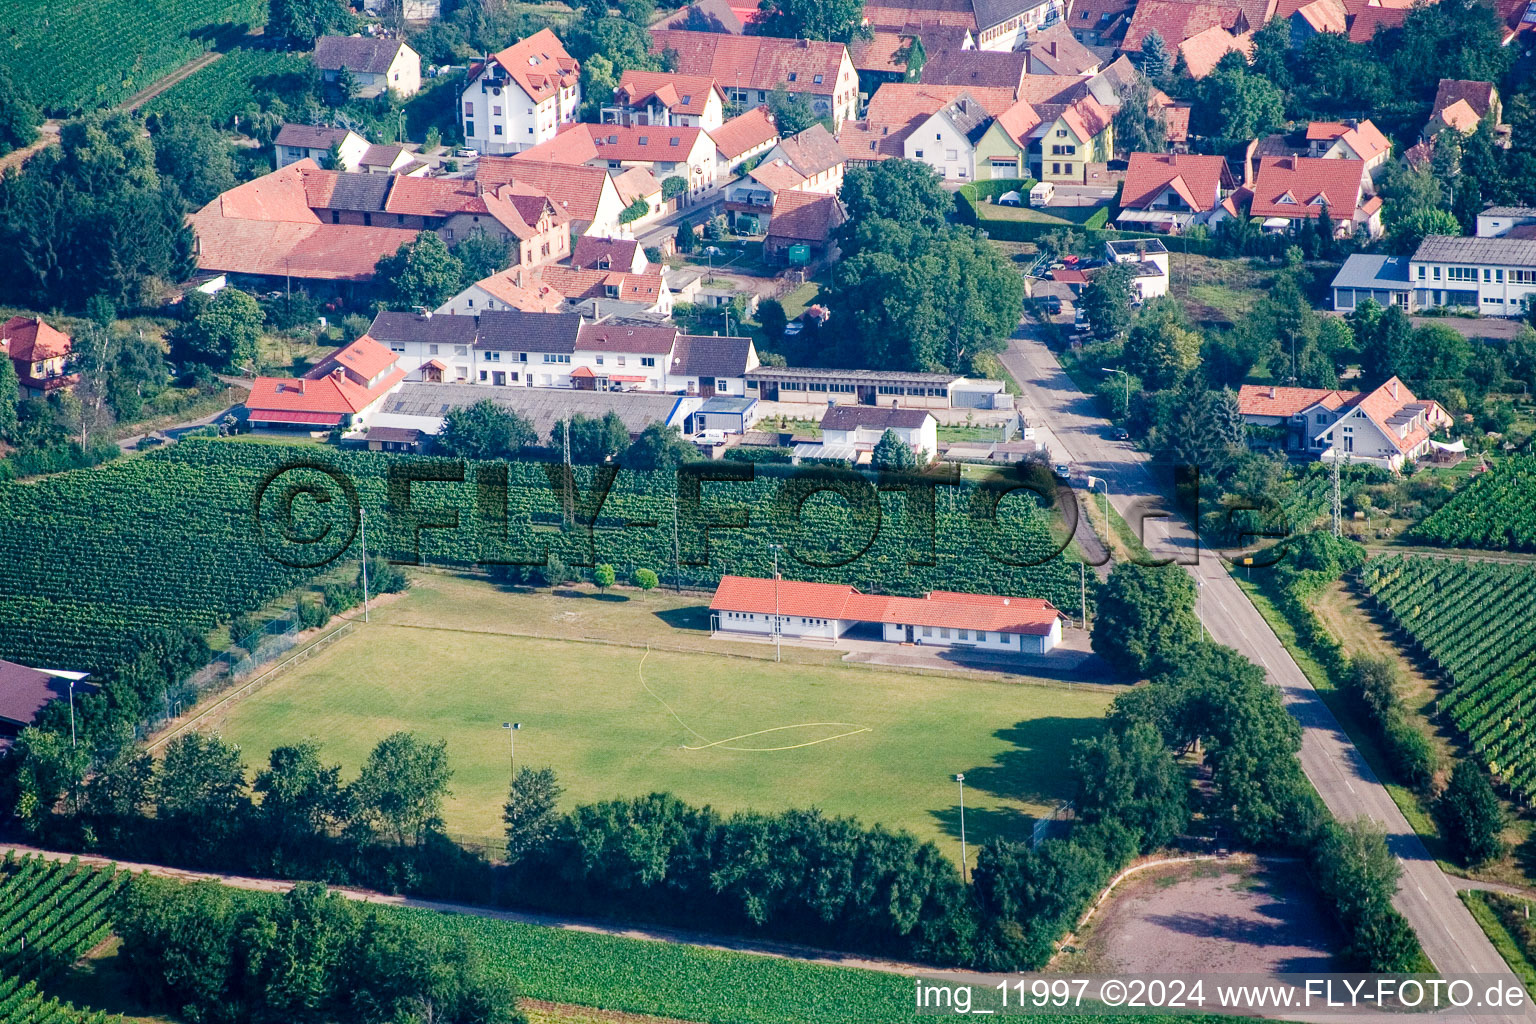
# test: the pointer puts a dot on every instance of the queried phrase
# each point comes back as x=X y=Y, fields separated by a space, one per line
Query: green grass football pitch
x=714 y=721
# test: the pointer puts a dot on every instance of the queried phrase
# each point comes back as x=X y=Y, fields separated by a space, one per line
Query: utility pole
x=677 y=562
x=777 y=652
x=1337 y=502
x=362 y=522
x=569 y=472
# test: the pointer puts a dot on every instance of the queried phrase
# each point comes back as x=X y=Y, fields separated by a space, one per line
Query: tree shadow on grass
x=611 y=598
x=694 y=617
x=1034 y=768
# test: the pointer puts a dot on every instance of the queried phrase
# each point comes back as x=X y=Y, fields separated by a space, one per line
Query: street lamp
x=72 y=714
x=512 y=728
x=1126 y=406
x=960 y=778
x=1200 y=593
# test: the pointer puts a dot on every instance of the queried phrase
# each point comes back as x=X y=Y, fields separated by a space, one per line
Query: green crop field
x=71 y=55
x=1491 y=510
x=719 y=724
x=223 y=88
x=1446 y=607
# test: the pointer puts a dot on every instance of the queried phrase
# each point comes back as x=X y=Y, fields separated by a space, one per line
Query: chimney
x=337 y=374
x=1273 y=391
x=479 y=189
x=1392 y=386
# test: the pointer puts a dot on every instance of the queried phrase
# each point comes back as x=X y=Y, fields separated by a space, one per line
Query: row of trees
x=487 y=430
x=217 y=956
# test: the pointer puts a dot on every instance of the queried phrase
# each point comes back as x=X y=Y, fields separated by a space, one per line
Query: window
x=1498 y=275
x=965 y=634
x=1421 y=271
x=1322 y=418
x=1066 y=168
x=1487 y=275
x=496 y=111
x=469 y=110
x=496 y=129
x=484 y=374
x=1437 y=273
x=469 y=128
x=647 y=360
x=599 y=360
x=431 y=350
x=816 y=79
x=927 y=631
x=950 y=154
x=943 y=633
x=919 y=154
x=1461 y=274
x=792 y=76
x=1522 y=277
x=1061 y=133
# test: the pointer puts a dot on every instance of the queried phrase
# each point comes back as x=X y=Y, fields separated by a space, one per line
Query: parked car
x=793 y=328
x=1121 y=434
x=1063 y=470
x=1051 y=304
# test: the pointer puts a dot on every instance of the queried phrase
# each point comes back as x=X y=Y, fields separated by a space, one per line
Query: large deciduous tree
x=223 y=335
x=421 y=273
x=400 y=790
x=838 y=21
x=485 y=430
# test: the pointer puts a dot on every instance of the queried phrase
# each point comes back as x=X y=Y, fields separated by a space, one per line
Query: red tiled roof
x=536 y=297
x=744 y=132
x=1263 y=400
x=777 y=176
x=1303 y=181
x=1061 y=53
x=1391 y=399
x=1478 y=95
x=338 y=385
x=681 y=94
x=1177 y=115
x=612 y=337
x=580 y=143
x=314 y=419
x=1204 y=50
x=574 y=283
x=1178 y=20
x=1199 y=180
x=880 y=52
x=987 y=69
x=1364 y=22
x=1017 y=122
x=576 y=190
x=1325 y=15
x=1087 y=117
x=591 y=251
x=754 y=62
x=943 y=609
x=27 y=339
x=539 y=65
x=805 y=216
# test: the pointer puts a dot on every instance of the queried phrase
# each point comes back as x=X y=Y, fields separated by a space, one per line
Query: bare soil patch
x=1233 y=917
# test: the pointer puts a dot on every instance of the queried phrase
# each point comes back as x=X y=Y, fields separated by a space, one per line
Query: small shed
x=721 y=412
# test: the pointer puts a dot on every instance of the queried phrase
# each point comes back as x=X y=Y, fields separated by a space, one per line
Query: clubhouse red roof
x=839 y=601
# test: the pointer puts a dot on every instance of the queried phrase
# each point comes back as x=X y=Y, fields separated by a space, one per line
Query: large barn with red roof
x=826 y=611
x=339 y=392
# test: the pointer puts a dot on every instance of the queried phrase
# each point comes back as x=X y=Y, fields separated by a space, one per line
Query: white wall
x=512 y=122
x=790 y=625
x=937 y=143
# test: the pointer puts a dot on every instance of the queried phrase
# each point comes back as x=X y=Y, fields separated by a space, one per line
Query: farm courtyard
x=714 y=721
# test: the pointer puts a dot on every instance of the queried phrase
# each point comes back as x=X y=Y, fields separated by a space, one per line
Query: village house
x=1288 y=190
x=750 y=68
x=1179 y=20
x=826 y=611
x=330 y=228
x=994 y=24
x=520 y=97
x=1462 y=105
x=338 y=393
x=1003 y=149
x=1055 y=51
x=587 y=195
x=25 y=691
x=858 y=428
x=659 y=98
x=1069 y=137
x=684 y=153
x=970 y=69
x=295 y=142
x=802 y=228
x=39 y=354
x=898 y=110
x=513 y=348
x=1099 y=22
x=742 y=138
x=1205 y=49
x=594 y=253
x=1350 y=140
x=1172 y=193
x=375 y=63
x=1384 y=427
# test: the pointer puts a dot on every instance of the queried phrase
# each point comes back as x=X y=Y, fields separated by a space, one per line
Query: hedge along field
x=74 y=55
x=223 y=88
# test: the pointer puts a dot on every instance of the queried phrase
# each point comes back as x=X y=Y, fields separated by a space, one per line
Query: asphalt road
x=1426 y=896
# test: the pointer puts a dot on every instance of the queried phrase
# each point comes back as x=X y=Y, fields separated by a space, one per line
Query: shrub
x=645 y=579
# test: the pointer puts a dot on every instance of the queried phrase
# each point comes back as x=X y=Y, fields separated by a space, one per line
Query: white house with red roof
x=1350 y=140
x=742 y=138
x=749 y=68
x=521 y=96
x=341 y=391
x=1291 y=189
x=39 y=353
x=663 y=99
x=826 y=611
x=1384 y=427
x=687 y=153
x=1173 y=191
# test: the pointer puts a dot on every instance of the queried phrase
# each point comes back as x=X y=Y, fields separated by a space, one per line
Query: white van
x=709 y=438
x=1042 y=193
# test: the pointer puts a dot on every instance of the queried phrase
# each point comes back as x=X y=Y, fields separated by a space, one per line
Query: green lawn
x=741 y=732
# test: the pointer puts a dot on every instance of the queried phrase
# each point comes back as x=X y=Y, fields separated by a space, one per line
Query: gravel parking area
x=1231 y=917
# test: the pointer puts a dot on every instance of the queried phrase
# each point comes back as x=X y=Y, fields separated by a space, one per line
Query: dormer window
x=817 y=80
x=792 y=76
x=1286 y=200
x=645 y=140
